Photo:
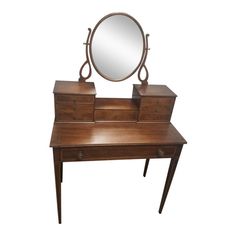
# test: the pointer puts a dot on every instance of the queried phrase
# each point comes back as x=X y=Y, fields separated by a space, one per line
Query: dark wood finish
x=114 y=134
x=73 y=87
x=116 y=152
x=144 y=81
x=82 y=77
x=87 y=128
x=120 y=104
x=113 y=109
x=157 y=105
x=73 y=111
x=146 y=167
x=155 y=102
x=74 y=101
x=115 y=115
x=154 y=90
x=170 y=175
x=58 y=175
x=80 y=99
x=61 y=172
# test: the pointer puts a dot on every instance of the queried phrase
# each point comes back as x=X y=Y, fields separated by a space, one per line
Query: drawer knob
x=80 y=155
x=161 y=153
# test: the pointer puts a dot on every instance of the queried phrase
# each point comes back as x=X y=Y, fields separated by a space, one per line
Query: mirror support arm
x=143 y=66
x=84 y=78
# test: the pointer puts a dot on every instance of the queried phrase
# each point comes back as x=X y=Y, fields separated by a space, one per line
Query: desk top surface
x=114 y=134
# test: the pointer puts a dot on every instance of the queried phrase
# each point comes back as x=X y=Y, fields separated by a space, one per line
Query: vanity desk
x=87 y=128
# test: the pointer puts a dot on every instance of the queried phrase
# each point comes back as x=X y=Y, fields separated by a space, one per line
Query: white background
x=193 y=51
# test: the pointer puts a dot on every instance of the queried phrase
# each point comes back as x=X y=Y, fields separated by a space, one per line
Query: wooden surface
x=73 y=87
x=106 y=133
x=95 y=153
x=155 y=102
x=77 y=102
x=154 y=90
x=115 y=109
x=74 y=101
x=115 y=104
x=87 y=128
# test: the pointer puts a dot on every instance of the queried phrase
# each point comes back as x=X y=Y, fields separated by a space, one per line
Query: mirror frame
x=141 y=65
x=91 y=42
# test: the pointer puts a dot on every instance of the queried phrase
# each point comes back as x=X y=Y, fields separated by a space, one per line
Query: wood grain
x=73 y=87
x=87 y=128
x=102 y=134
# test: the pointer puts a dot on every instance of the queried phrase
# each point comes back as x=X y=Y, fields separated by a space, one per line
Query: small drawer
x=156 y=101
x=65 y=111
x=72 y=154
x=68 y=106
x=115 y=115
x=83 y=106
x=71 y=111
x=65 y=116
x=154 y=117
x=84 y=99
x=157 y=105
x=84 y=115
x=84 y=112
x=113 y=153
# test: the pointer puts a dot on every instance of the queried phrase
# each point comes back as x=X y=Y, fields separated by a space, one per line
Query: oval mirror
x=117 y=46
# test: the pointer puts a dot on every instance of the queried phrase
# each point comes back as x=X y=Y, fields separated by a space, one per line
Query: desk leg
x=61 y=172
x=170 y=175
x=145 y=167
x=58 y=170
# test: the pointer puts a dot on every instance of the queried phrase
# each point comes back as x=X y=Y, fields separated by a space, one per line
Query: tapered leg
x=171 y=171
x=61 y=172
x=145 y=167
x=57 y=169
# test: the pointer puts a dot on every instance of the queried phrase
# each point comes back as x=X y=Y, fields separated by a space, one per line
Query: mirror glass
x=117 y=46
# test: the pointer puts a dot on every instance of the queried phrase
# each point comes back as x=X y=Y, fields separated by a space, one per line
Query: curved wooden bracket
x=84 y=78
x=143 y=66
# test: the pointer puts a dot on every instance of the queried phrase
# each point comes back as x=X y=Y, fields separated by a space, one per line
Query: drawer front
x=65 y=111
x=84 y=112
x=72 y=111
x=84 y=99
x=154 y=117
x=84 y=115
x=157 y=105
x=113 y=153
x=65 y=107
x=115 y=115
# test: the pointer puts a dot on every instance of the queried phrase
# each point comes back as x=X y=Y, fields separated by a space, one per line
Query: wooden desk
x=101 y=137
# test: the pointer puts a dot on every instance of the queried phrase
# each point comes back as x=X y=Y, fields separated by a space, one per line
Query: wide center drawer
x=116 y=152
